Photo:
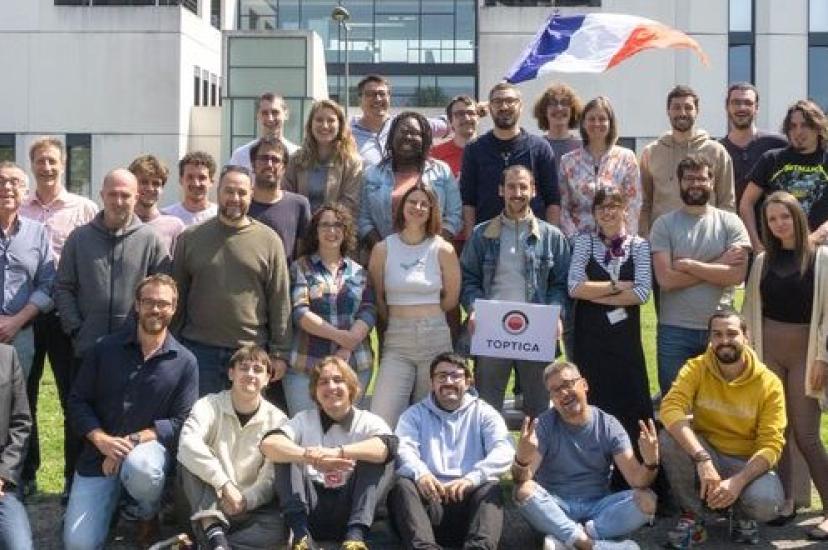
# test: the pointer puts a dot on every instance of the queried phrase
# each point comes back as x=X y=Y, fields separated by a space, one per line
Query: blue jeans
x=23 y=343
x=94 y=499
x=213 y=362
x=297 y=390
x=15 y=531
x=609 y=517
x=675 y=346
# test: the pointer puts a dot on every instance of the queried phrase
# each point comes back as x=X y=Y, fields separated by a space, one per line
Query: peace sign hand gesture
x=527 y=446
x=648 y=442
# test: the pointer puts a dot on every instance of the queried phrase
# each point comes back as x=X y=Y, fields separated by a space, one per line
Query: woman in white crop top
x=416 y=276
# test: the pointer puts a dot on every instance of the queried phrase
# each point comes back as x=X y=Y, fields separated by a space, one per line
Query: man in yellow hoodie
x=733 y=440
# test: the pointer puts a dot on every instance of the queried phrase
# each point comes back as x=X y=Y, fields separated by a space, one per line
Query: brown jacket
x=344 y=183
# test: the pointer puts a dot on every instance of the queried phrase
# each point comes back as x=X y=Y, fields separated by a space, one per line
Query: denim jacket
x=546 y=263
x=375 y=206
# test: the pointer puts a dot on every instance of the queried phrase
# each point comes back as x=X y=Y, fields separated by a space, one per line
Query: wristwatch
x=135 y=439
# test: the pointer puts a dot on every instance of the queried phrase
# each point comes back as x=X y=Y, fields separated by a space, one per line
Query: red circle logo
x=515 y=322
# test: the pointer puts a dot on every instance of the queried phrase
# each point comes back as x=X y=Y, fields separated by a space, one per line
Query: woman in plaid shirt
x=333 y=304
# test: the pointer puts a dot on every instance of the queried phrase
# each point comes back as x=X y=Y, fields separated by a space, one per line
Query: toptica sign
x=515 y=330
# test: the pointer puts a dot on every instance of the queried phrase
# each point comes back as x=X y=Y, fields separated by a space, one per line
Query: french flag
x=593 y=43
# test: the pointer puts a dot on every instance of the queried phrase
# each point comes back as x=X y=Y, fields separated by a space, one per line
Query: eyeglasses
x=455 y=376
x=695 y=179
x=379 y=94
x=15 y=182
x=247 y=367
x=425 y=205
x=336 y=226
x=566 y=385
x=504 y=101
x=269 y=159
x=608 y=207
x=559 y=103
x=149 y=303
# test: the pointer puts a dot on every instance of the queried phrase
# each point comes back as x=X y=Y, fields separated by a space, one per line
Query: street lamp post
x=342 y=16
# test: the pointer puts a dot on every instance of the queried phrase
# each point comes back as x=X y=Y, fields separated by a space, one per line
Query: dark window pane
x=818 y=75
x=197 y=88
x=7 y=150
x=740 y=63
x=628 y=142
x=79 y=163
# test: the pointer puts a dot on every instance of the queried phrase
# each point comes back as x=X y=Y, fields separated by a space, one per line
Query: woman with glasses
x=327 y=168
x=558 y=111
x=416 y=275
x=333 y=304
x=598 y=163
x=609 y=278
x=786 y=310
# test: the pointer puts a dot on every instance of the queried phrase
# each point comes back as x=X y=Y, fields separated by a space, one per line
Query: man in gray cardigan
x=15 y=427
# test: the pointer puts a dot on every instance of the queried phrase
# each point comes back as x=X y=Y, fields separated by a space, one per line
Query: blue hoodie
x=471 y=442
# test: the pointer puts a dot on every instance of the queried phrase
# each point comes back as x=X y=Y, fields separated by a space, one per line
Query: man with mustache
x=514 y=257
x=736 y=436
x=660 y=158
x=801 y=169
x=129 y=400
x=196 y=172
x=744 y=142
x=699 y=254
x=453 y=448
x=288 y=214
x=507 y=144
x=234 y=288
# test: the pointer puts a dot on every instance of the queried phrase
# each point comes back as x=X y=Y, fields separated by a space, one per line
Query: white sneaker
x=551 y=543
x=616 y=545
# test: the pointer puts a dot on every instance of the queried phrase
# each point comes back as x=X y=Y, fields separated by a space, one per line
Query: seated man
x=332 y=460
x=563 y=465
x=129 y=400
x=453 y=448
x=15 y=428
x=736 y=436
x=227 y=481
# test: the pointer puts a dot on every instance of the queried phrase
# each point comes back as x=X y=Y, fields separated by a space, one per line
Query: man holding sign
x=520 y=259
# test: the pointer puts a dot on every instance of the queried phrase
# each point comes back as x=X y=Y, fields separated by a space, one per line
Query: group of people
x=149 y=314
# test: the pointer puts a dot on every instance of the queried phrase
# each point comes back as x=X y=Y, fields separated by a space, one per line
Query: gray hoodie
x=97 y=275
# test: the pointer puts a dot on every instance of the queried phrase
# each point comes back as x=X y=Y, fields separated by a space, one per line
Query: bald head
x=119 y=194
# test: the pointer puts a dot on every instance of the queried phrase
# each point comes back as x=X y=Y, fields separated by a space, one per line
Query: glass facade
x=425 y=47
x=741 y=41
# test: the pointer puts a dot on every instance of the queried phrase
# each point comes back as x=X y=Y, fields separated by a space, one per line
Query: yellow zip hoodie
x=744 y=417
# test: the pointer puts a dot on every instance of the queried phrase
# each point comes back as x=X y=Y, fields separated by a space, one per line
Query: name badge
x=617 y=315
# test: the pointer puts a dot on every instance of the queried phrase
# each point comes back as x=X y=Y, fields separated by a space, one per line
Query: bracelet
x=520 y=464
x=651 y=467
x=701 y=456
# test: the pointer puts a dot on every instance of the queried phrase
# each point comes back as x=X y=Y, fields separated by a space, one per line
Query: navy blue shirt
x=484 y=160
x=119 y=392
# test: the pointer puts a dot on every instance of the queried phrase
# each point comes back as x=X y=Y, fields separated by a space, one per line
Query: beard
x=154 y=324
x=505 y=121
x=728 y=353
x=693 y=197
x=266 y=183
x=741 y=123
x=682 y=123
x=233 y=213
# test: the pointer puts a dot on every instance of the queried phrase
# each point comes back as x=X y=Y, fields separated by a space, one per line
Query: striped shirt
x=339 y=298
x=588 y=244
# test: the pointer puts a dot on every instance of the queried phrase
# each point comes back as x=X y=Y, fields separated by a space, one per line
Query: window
x=213 y=90
x=205 y=87
x=197 y=87
x=818 y=76
x=741 y=40
x=215 y=13
x=818 y=16
x=628 y=142
x=7 y=149
x=79 y=163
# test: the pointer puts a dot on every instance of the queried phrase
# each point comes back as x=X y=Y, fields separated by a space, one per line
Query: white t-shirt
x=241 y=156
x=190 y=218
x=305 y=429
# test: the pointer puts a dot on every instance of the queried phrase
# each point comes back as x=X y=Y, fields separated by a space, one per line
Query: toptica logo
x=515 y=322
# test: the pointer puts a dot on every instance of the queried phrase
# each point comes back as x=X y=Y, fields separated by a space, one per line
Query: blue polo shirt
x=27 y=267
x=119 y=392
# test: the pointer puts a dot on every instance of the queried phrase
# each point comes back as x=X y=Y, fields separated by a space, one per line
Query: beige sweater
x=818 y=331
x=217 y=449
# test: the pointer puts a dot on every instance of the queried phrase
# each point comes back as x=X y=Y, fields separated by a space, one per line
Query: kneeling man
x=228 y=483
x=453 y=449
x=563 y=466
x=331 y=461
x=129 y=400
x=737 y=435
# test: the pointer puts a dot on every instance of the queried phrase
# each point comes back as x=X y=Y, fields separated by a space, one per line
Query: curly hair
x=563 y=91
x=310 y=244
x=814 y=118
x=426 y=134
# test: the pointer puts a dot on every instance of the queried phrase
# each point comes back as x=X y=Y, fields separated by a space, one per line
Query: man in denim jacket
x=514 y=257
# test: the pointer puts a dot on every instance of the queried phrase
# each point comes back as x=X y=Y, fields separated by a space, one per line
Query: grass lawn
x=50 y=418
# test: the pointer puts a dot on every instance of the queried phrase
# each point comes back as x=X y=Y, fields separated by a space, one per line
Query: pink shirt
x=167 y=228
x=60 y=217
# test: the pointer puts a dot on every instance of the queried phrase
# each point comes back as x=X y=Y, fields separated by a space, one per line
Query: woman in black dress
x=610 y=278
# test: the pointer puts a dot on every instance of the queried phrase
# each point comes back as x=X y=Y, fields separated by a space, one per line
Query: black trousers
x=476 y=522
x=331 y=511
x=51 y=341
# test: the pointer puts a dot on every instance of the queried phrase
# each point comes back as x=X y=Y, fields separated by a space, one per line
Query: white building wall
x=638 y=87
x=122 y=74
